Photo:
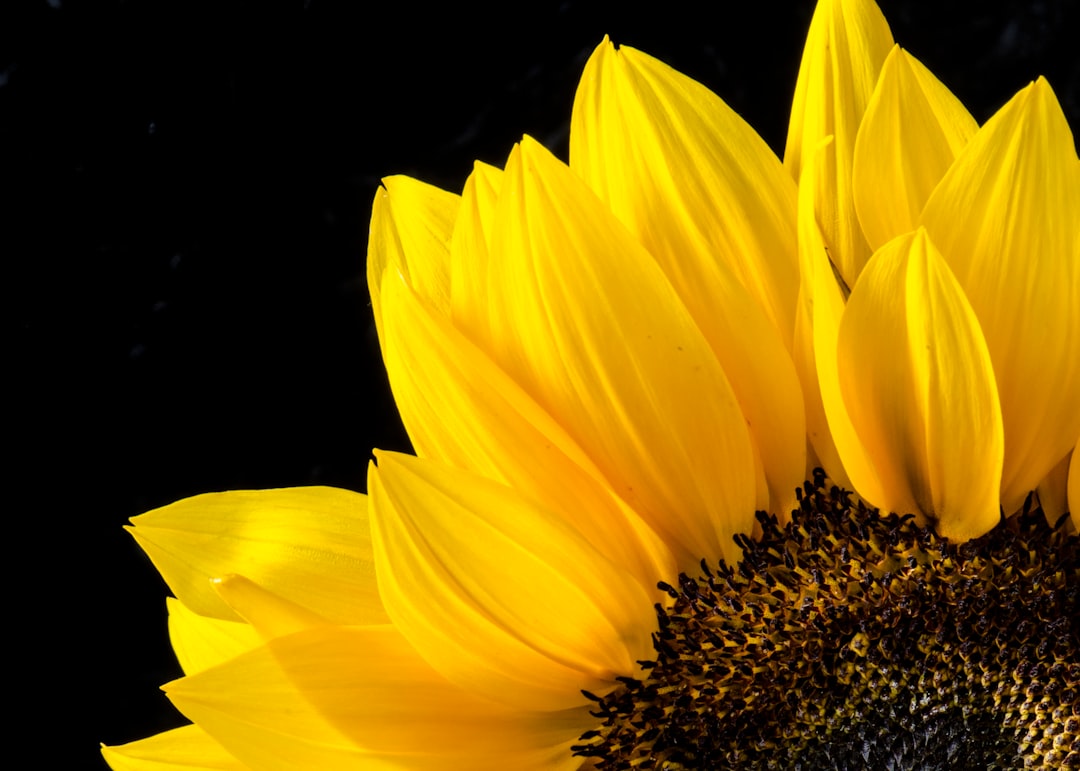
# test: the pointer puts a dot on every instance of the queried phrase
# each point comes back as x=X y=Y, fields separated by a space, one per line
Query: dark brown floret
x=851 y=640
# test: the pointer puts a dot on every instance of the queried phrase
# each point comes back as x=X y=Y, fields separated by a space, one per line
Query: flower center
x=849 y=640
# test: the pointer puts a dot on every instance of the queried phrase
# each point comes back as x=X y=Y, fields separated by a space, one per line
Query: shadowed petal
x=1074 y=486
x=201 y=642
x=1052 y=491
x=181 y=749
x=821 y=306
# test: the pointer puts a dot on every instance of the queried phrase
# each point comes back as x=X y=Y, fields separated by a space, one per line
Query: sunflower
x=664 y=400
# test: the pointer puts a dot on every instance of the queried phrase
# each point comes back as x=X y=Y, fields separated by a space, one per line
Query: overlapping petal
x=1053 y=491
x=1074 y=486
x=821 y=306
x=309 y=544
x=1005 y=218
x=845 y=48
x=911 y=132
x=182 y=749
x=917 y=382
x=345 y=698
x=498 y=594
x=202 y=642
x=643 y=138
x=411 y=222
x=470 y=245
x=463 y=410
x=719 y=217
x=613 y=355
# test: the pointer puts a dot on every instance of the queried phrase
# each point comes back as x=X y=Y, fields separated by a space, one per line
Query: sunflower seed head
x=850 y=639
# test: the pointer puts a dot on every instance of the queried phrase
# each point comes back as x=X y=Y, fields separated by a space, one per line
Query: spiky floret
x=850 y=639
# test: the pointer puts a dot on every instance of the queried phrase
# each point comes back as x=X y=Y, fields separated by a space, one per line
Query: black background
x=186 y=190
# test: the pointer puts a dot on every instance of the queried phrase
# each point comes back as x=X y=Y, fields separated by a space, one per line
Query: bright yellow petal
x=497 y=594
x=845 y=48
x=269 y=614
x=689 y=178
x=411 y=223
x=182 y=749
x=311 y=545
x=590 y=327
x=463 y=410
x=829 y=427
x=1005 y=217
x=201 y=642
x=911 y=133
x=705 y=195
x=916 y=377
x=339 y=699
x=470 y=244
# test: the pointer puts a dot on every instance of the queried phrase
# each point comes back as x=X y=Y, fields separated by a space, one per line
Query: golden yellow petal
x=690 y=179
x=916 y=378
x=469 y=246
x=340 y=698
x=821 y=306
x=590 y=327
x=181 y=749
x=311 y=545
x=911 y=133
x=1074 y=486
x=201 y=642
x=1005 y=217
x=1053 y=491
x=845 y=48
x=463 y=410
x=497 y=593
x=411 y=224
x=719 y=218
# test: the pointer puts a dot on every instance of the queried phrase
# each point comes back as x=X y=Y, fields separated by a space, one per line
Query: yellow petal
x=916 y=377
x=463 y=410
x=339 y=699
x=269 y=614
x=311 y=545
x=496 y=593
x=470 y=244
x=821 y=306
x=1074 y=486
x=690 y=179
x=182 y=749
x=911 y=133
x=705 y=195
x=1005 y=217
x=1053 y=491
x=201 y=642
x=590 y=327
x=411 y=223
x=845 y=48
